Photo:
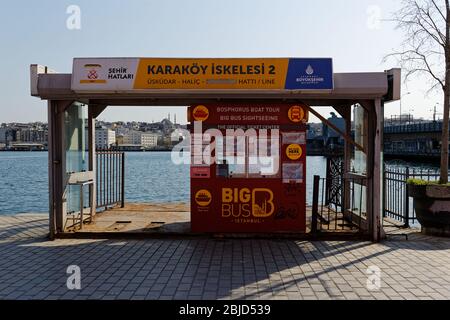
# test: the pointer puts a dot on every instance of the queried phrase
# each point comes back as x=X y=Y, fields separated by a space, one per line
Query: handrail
x=110 y=178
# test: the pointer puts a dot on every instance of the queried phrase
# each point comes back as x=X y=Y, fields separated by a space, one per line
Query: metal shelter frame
x=370 y=90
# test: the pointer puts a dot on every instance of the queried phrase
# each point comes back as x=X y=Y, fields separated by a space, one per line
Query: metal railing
x=110 y=178
x=435 y=126
x=412 y=152
x=397 y=203
x=346 y=214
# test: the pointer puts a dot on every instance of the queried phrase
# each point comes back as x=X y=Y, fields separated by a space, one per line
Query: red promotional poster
x=250 y=167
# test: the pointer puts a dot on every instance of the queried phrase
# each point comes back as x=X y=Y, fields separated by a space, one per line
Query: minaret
x=169 y=116
x=175 y=119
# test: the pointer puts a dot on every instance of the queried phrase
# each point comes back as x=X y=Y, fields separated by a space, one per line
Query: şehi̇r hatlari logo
x=92 y=74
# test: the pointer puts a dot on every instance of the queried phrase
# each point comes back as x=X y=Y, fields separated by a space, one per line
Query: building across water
x=418 y=139
x=403 y=137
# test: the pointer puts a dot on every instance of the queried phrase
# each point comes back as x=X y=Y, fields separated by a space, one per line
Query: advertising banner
x=140 y=74
x=236 y=114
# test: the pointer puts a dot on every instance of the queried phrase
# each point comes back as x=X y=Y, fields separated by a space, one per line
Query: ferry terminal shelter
x=224 y=198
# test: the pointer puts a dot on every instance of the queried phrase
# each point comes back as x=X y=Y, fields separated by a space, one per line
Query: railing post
x=123 y=182
x=406 y=199
x=315 y=206
x=328 y=181
x=384 y=191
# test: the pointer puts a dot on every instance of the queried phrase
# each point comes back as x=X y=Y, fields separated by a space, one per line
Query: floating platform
x=159 y=220
x=170 y=218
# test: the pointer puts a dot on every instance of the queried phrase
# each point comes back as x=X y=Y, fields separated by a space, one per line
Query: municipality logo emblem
x=309 y=71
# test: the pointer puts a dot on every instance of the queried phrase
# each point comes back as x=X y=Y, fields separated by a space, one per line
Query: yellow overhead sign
x=134 y=74
x=211 y=74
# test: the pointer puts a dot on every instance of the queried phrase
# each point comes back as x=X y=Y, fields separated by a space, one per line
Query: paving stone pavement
x=31 y=267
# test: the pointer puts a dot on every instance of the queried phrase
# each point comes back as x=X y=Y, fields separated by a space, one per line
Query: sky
x=355 y=33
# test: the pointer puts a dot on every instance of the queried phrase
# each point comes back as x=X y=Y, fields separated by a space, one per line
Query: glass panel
x=264 y=161
x=360 y=160
x=75 y=125
x=248 y=157
x=358 y=195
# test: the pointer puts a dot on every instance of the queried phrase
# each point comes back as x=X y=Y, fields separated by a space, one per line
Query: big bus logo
x=203 y=198
x=294 y=151
x=200 y=113
x=246 y=203
x=296 y=114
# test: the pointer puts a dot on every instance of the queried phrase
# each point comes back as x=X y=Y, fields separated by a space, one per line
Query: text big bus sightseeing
x=248 y=167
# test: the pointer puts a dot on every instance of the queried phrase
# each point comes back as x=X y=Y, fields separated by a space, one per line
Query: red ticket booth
x=248 y=167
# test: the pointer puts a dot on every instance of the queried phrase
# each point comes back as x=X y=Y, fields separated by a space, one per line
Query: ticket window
x=249 y=157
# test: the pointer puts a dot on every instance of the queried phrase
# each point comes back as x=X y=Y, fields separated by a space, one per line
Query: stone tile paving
x=31 y=267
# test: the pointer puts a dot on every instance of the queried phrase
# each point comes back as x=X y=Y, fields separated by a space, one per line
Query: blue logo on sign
x=310 y=74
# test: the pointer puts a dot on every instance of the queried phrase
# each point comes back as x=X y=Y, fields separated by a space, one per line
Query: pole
x=401 y=99
x=315 y=207
x=406 y=199
x=123 y=181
